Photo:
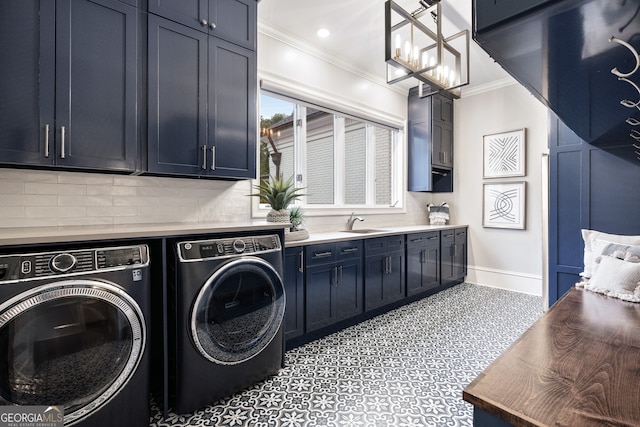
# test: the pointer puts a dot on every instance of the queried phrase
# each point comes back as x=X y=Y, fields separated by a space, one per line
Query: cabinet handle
x=334 y=279
x=46 y=141
x=432 y=238
x=349 y=250
x=203 y=22
x=416 y=240
x=204 y=157
x=62 y=156
x=212 y=26
x=448 y=235
x=301 y=268
x=213 y=158
x=322 y=254
x=340 y=279
x=460 y=234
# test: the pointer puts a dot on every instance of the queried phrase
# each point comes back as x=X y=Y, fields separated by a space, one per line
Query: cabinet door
x=348 y=291
x=375 y=269
x=177 y=99
x=460 y=254
x=431 y=265
x=27 y=37
x=96 y=84
x=319 y=283
x=234 y=21
x=447 y=245
x=294 y=291
x=232 y=113
x=442 y=148
x=193 y=13
x=394 y=286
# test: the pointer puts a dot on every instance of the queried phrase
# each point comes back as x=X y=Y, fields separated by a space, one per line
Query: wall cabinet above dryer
x=430 y=143
x=69 y=84
x=202 y=103
x=231 y=20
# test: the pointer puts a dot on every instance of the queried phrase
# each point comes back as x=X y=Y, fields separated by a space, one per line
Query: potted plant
x=296 y=217
x=278 y=194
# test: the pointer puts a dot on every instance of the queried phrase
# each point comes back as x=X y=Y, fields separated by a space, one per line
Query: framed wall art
x=504 y=205
x=504 y=154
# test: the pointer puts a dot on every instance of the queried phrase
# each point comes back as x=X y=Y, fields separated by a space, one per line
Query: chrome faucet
x=353 y=219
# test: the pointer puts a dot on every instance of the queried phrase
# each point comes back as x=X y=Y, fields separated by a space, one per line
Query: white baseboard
x=503 y=279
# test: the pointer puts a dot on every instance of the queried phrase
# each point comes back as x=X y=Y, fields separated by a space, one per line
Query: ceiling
x=357 y=34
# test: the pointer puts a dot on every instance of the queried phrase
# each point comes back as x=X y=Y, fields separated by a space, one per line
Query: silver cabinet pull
x=213 y=157
x=62 y=156
x=204 y=157
x=212 y=26
x=46 y=140
x=322 y=254
x=416 y=240
x=340 y=279
x=301 y=268
x=432 y=238
x=350 y=250
x=204 y=22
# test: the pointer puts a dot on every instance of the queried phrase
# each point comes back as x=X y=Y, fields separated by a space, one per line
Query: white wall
x=504 y=258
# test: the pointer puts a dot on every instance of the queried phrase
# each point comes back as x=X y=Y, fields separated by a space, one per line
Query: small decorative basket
x=438 y=214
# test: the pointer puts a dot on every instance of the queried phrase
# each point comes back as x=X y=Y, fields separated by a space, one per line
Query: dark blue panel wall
x=590 y=188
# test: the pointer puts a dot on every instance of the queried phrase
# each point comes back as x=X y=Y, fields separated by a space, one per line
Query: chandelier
x=415 y=47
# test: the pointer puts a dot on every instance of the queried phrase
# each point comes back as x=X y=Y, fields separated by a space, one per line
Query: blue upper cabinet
x=230 y=20
x=202 y=103
x=561 y=51
x=62 y=103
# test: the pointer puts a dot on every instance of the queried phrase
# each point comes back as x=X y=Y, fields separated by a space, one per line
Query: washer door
x=74 y=343
x=238 y=311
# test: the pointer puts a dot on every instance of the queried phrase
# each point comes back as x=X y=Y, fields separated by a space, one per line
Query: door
x=238 y=311
x=27 y=49
x=294 y=290
x=232 y=110
x=96 y=85
x=348 y=290
x=75 y=343
x=319 y=310
x=177 y=107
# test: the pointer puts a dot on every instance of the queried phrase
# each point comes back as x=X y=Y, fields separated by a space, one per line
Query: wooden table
x=578 y=365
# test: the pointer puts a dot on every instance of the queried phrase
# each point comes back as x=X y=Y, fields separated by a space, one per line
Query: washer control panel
x=47 y=264
x=228 y=247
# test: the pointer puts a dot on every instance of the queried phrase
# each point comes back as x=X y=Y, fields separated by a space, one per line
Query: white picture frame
x=504 y=154
x=504 y=205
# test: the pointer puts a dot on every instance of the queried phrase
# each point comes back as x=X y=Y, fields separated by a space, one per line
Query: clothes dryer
x=226 y=310
x=73 y=333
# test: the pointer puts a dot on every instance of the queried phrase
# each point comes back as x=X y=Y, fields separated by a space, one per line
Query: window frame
x=371 y=120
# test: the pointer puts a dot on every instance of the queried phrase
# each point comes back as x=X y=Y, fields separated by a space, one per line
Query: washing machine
x=226 y=309
x=73 y=333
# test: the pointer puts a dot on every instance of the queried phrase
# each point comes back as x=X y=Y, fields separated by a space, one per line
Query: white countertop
x=47 y=235
x=337 y=236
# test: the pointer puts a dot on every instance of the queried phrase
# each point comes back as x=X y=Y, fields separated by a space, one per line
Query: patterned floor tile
x=405 y=368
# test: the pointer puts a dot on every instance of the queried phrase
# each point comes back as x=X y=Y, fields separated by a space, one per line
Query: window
x=342 y=161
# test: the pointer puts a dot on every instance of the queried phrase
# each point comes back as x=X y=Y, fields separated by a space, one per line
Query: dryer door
x=73 y=343
x=238 y=311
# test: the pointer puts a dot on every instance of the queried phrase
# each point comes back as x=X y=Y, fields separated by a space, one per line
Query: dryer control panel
x=47 y=264
x=228 y=247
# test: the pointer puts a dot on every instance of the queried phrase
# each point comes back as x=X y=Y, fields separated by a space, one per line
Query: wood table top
x=578 y=365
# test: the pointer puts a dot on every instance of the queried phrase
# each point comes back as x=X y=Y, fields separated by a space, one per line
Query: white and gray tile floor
x=404 y=368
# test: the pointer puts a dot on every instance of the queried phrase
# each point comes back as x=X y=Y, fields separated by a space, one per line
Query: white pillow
x=616 y=278
x=595 y=242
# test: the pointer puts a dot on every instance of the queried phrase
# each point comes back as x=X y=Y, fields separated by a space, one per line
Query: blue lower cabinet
x=294 y=291
x=384 y=276
x=333 y=283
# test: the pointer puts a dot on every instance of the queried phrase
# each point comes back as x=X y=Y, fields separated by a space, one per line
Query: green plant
x=277 y=192
x=295 y=217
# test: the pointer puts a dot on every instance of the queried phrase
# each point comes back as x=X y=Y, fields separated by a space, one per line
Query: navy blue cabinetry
x=202 y=98
x=589 y=188
x=294 y=291
x=453 y=250
x=423 y=262
x=62 y=103
x=384 y=271
x=430 y=143
x=333 y=283
x=231 y=20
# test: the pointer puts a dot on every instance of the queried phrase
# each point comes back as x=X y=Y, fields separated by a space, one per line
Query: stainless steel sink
x=363 y=231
